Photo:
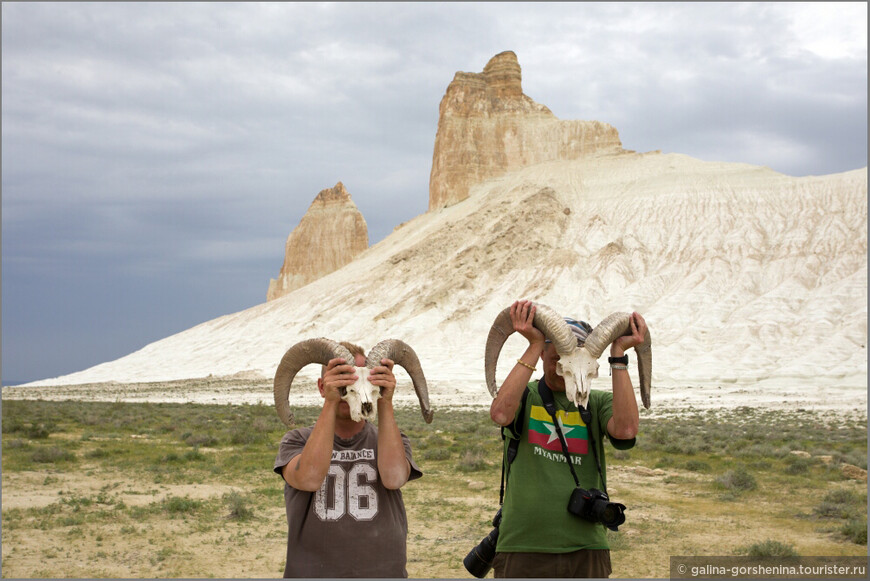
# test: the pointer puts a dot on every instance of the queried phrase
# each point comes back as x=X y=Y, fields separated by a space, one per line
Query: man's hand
x=382 y=376
x=338 y=376
x=523 y=317
x=507 y=400
x=626 y=342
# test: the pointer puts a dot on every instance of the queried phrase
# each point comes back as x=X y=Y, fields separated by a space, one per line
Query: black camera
x=478 y=561
x=595 y=506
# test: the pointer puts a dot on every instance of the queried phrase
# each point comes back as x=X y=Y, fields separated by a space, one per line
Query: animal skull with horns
x=361 y=396
x=578 y=365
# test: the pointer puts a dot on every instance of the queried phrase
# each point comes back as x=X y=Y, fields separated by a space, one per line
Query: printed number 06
x=350 y=493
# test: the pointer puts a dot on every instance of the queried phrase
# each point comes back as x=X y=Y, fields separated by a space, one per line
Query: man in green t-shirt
x=538 y=537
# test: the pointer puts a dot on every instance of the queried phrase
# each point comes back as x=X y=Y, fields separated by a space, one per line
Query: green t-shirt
x=535 y=515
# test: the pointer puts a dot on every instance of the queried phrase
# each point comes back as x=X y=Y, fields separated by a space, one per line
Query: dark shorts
x=588 y=563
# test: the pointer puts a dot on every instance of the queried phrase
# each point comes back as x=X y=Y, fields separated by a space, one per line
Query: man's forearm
x=393 y=466
x=625 y=422
x=307 y=470
x=507 y=401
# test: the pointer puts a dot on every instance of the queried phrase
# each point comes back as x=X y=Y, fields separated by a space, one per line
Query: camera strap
x=550 y=405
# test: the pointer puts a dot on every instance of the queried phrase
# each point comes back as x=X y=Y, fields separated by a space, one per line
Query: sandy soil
x=664 y=519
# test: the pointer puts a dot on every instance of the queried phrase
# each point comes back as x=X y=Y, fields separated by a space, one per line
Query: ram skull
x=361 y=396
x=578 y=365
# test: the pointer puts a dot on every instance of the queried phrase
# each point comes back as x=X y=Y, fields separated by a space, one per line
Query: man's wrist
x=536 y=347
x=331 y=401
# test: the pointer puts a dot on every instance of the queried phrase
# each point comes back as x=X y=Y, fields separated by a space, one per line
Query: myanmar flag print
x=543 y=433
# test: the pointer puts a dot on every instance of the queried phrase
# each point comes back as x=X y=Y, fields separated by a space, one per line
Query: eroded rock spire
x=331 y=234
x=488 y=127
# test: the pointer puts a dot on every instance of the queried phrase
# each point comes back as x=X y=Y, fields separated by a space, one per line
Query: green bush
x=855 y=530
x=764 y=449
x=799 y=466
x=433 y=441
x=238 y=505
x=845 y=497
x=246 y=435
x=683 y=446
x=472 y=461
x=435 y=454
x=196 y=440
x=52 y=455
x=16 y=445
x=839 y=504
x=770 y=548
x=33 y=430
x=737 y=481
x=857 y=458
x=76 y=502
x=181 y=505
x=194 y=456
x=37 y=431
x=697 y=466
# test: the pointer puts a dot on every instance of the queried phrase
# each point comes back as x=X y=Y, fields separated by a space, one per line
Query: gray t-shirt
x=352 y=526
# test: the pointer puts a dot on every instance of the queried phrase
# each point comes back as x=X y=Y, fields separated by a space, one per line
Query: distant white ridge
x=747 y=278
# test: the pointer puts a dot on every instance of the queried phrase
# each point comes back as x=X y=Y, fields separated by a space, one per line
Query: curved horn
x=498 y=334
x=644 y=368
x=554 y=328
x=402 y=354
x=298 y=356
x=550 y=323
x=611 y=328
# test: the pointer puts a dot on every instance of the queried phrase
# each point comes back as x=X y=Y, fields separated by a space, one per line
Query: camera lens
x=478 y=561
x=610 y=514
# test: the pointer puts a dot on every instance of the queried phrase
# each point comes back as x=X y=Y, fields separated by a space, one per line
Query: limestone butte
x=488 y=127
x=331 y=234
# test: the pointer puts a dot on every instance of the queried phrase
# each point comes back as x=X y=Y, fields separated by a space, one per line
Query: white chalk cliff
x=746 y=277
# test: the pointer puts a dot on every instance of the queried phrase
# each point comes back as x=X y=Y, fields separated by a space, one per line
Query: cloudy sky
x=155 y=156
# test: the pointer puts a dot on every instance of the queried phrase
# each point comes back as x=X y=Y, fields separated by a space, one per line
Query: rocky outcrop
x=488 y=127
x=331 y=234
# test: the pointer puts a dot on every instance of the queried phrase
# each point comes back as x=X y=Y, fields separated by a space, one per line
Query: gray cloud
x=157 y=155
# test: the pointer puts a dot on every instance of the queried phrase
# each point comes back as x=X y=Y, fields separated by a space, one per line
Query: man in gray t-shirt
x=342 y=481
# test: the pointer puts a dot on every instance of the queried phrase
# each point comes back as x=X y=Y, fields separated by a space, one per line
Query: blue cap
x=581 y=330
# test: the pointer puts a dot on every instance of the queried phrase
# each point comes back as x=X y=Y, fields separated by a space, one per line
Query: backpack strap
x=512 y=445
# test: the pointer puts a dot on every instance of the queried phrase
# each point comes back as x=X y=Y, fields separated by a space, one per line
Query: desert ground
x=174 y=480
